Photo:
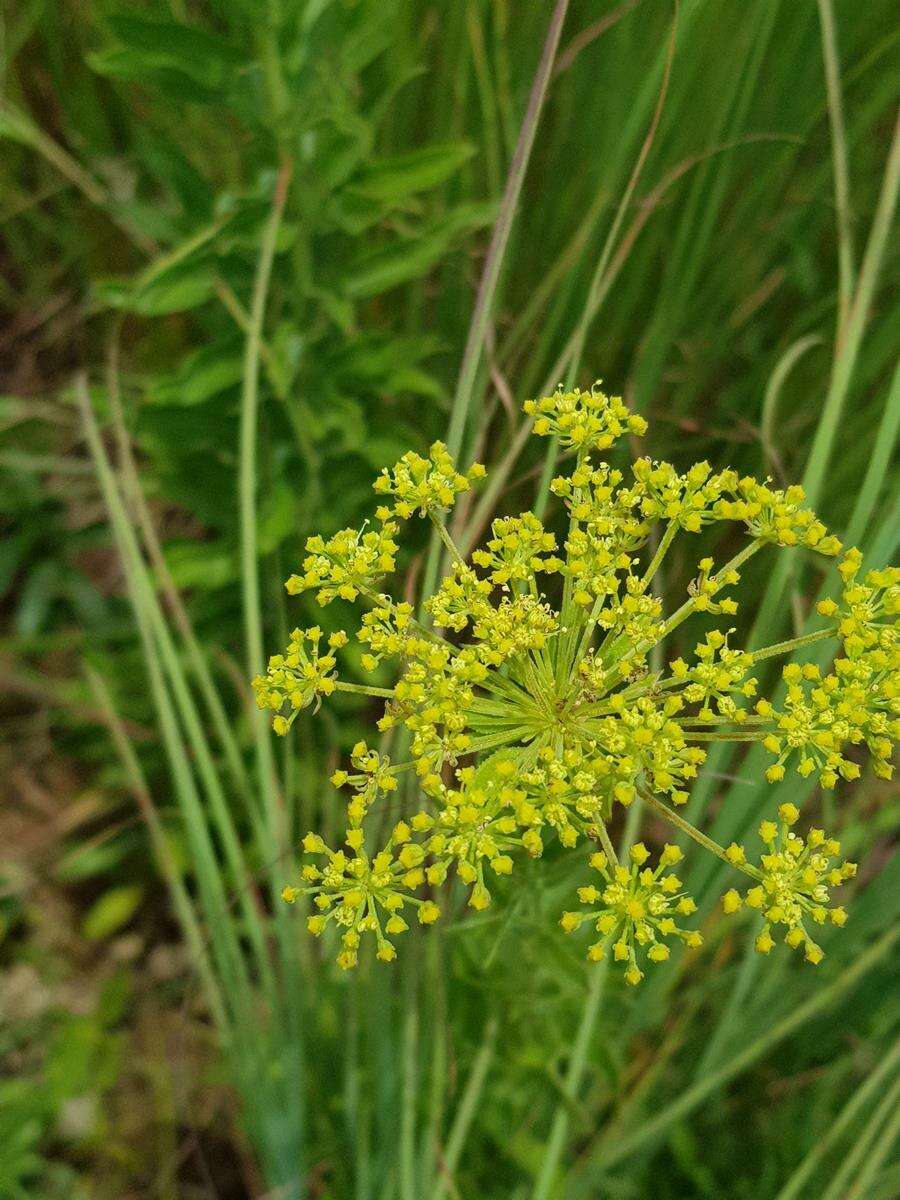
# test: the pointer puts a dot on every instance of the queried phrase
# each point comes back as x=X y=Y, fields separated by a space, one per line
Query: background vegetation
x=260 y=230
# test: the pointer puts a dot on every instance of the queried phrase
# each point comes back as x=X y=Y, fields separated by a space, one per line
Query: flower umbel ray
x=531 y=710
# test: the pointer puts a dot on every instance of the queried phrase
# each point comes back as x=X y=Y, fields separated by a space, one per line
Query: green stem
x=661 y=550
x=749 y=736
x=465 y=1113
x=559 y=1131
x=493 y=263
x=444 y=534
x=361 y=689
x=681 y=614
x=606 y=843
x=839 y=156
x=808 y=639
x=692 y=832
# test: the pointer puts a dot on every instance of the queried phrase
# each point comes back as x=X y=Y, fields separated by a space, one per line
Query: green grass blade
x=247 y=488
x=866 y=1090
x=839 y=159
x=465 y=1113
x=693 y=1096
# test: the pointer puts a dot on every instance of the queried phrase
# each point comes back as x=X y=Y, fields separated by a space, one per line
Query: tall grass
x=698 y=207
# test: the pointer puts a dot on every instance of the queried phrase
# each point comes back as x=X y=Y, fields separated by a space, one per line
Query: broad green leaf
x=204 y=565
x=411 y=259
x=201 y=376
x=132 y=67
x=396 y=178
x=111 y=911
x=180 y=59
x=203 y=53
x=175 y=290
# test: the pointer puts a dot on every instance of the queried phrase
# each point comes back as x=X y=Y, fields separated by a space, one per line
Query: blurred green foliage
x=143 y=145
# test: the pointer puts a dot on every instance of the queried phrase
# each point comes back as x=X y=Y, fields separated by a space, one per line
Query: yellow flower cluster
x=526 y=698
x=347 y=564
x=386 y=630
x=689 y=499
x=474 y=829
x=584 y=420
x=299 y=677
x=777 y=516
x=648 y=744
x=794 y=882
x=635 y=910
x=513 y=627
x=516 y=549
x=374 y=778
x=719 y=672
x=570 y=793
x=462 y=597
x=423 y=484
x=706 y=587
x=362 y=894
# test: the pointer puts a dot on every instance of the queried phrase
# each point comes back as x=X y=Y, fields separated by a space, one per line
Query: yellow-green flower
x=362 y=894
x=795 y=878
x=299 y=677
x=423 y=484
x=635 y=910
x=584 y=420
x=540 y=690
x=348 y=563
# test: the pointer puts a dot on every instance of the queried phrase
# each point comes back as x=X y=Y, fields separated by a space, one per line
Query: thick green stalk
x=559 y=1130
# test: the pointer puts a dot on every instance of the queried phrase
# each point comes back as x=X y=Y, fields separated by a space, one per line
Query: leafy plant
x=260 y=231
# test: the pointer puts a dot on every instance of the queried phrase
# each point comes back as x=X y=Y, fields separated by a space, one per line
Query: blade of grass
x=559 y=1130
x=880 y=460
x=862 y=1188
x=767 y=622
x=230 y=962
x=697 y=1093
x=866 y=1090
x=499 y=474
x=839 y=161
x=487 y=287
x=861 y=1155
x=135 y=496
x=782 y=370
x=589 y=35
x=407 y=1156
x=465 y=1113
x=571 y=355
x=247 y=486
x=182 y=903
x=490 y=277
x=161 y=637
x=286 y=1000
